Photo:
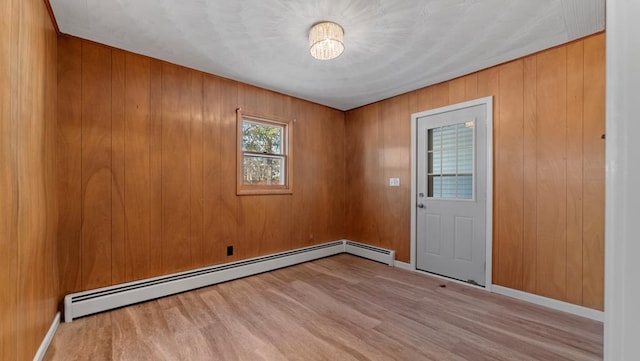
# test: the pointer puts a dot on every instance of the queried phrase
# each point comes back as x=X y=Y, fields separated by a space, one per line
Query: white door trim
x=488 y=101
x=622 y=206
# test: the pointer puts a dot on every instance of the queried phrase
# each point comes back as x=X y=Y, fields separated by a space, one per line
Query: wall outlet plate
x=394 y=182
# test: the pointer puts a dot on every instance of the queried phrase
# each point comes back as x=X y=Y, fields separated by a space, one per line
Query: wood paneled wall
x=147 y=169
x=28 y=212
x=548 y=169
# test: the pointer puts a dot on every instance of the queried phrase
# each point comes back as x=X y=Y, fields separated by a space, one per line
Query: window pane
x=257 y=170
x=465 y=186
x=449 y=186
x=429 y=186
x=434 y=160
x=449 y=136
x=465 y=134
x=434 y=138
x=465 y=160
x=261 y=138
x=434 y=186
x=449 y=161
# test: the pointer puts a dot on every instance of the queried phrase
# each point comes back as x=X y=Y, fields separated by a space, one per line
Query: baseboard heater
x=93 y=301
x=373 y=253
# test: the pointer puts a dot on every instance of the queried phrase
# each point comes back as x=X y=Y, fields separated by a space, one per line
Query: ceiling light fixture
x=325 y=40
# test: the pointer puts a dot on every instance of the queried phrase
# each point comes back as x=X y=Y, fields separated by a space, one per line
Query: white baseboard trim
x=550 y=303
x=520 y=295
x=403 y=265
x=42 y=350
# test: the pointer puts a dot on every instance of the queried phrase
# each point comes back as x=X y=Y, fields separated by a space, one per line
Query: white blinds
x=450 y=161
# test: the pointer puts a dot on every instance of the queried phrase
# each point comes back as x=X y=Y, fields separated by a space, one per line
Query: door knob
x=420 y=205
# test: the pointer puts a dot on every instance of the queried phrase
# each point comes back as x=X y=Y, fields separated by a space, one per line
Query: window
x=264 y=155
x=451 y=161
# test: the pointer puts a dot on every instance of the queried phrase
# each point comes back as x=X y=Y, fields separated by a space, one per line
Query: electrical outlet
x=229 y=250
x=394 y=182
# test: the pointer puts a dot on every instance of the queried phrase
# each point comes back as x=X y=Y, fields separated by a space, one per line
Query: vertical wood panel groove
x=124 y=167
x=522 y=175
x=82 y=96
x=118 y=248
x=530 y=178
x=155 y=165
x=575 y=176
x=509 y=170
x=111 y=170
x=594 y=180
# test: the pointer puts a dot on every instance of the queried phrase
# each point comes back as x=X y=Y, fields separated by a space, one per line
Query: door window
x=450 y=165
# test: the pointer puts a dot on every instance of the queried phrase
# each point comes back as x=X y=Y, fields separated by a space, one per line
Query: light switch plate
x=394 y=182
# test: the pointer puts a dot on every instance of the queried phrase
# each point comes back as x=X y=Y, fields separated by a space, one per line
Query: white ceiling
x=392 y=46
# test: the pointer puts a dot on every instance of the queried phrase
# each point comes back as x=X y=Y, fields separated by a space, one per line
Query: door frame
x=488 y=102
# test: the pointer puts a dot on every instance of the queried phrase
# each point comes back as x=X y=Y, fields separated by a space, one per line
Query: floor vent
x=93 y=301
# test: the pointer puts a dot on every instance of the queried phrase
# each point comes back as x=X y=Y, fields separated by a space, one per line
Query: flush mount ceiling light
x=325 y=40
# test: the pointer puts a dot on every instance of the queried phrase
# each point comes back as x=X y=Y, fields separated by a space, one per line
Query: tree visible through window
x=263 y=162
x=263 y=155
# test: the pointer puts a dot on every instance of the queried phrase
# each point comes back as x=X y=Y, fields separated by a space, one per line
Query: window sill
x=263 y=192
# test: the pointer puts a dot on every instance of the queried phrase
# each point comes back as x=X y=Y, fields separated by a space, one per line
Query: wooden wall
x=147 y=172
x=147 y=167
x=548 y=169
x=28 y=212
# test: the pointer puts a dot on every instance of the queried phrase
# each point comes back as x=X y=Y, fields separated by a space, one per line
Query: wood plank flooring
x=337 y=308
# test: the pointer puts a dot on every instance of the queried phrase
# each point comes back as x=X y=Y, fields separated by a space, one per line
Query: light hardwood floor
x=337 y=308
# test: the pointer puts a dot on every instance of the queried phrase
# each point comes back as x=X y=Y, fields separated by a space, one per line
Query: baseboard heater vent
x=373 y=253
x=93 y=301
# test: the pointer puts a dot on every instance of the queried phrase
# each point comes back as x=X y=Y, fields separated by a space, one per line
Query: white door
x=451 y=194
